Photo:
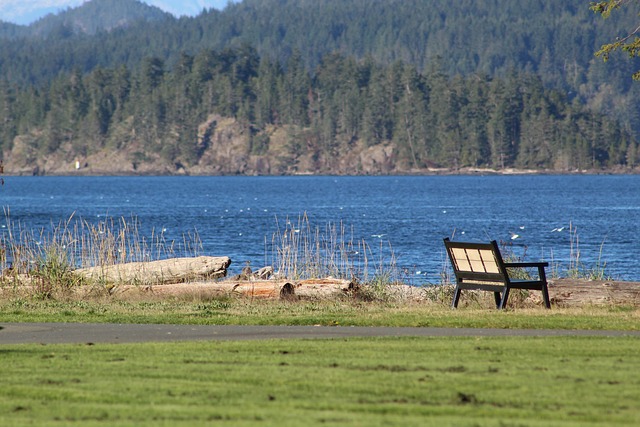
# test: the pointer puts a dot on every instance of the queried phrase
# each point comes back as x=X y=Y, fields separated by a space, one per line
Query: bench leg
x=456 y=298
x=498 y=297
x=545 y=291
x=545 y=296
x=505 y=297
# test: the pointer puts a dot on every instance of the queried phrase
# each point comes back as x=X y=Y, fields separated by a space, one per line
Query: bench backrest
x=476 y=261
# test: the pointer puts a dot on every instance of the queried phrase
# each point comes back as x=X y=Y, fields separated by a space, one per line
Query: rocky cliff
x=228 y=148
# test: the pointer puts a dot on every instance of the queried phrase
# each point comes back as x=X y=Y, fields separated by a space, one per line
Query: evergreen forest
x=333 y=86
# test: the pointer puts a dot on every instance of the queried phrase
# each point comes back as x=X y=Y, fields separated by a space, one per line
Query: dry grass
x=50 y=255
x=300 y=250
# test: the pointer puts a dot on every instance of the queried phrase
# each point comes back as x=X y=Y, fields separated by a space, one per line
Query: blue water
x=404 y=216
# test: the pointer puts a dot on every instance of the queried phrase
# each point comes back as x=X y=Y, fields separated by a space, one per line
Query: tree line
x=427 y=117
x=553 y=39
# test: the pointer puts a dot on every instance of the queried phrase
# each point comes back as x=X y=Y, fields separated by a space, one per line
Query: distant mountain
x=95 y=16
x=25 y=13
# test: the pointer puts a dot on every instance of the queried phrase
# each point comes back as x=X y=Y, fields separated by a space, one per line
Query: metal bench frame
x=479 y=266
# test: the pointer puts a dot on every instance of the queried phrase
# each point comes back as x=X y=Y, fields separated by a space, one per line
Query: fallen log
x=262 y=289
x=581 y=292
x=167 y=271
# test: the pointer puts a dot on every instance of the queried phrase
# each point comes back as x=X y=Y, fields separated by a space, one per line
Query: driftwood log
x=262 y=289
x=175 y=270
x=580 y=292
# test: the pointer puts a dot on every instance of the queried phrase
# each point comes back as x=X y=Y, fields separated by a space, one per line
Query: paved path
x=56 y=333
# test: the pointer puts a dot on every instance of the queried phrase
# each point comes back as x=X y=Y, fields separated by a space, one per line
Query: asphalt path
x=86 y=333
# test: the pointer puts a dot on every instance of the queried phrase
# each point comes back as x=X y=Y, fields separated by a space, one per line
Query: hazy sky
x=27 y=11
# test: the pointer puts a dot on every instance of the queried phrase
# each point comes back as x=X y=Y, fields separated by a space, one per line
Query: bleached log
x=167 y=271
x=262 y=289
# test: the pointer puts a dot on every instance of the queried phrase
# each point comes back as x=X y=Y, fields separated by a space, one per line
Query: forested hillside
x=338 y=86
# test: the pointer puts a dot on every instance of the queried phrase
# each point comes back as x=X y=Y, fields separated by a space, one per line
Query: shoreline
x=415 y=172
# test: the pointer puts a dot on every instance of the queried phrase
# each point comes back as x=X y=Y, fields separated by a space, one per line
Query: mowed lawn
x=488 y=381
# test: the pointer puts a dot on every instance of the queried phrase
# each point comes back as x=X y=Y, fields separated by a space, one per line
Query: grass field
x=516 y=381
x=560 y=381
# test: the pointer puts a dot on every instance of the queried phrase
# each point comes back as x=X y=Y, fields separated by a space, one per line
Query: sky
x=25 y=12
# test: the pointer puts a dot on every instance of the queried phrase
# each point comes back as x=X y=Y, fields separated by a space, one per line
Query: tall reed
x=577 y=269
x=302 y=251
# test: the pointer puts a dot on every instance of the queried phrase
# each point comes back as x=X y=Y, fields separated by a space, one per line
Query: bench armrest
x=526 y=264
x=542 y=275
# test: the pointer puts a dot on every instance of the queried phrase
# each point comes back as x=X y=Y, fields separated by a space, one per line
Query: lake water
x=403 y=216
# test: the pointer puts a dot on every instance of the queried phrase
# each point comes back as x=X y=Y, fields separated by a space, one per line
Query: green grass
x=559 y=381
x=514 y=381
x=344 y=312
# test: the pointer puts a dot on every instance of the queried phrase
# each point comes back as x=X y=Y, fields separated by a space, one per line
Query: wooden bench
x=479 y=266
